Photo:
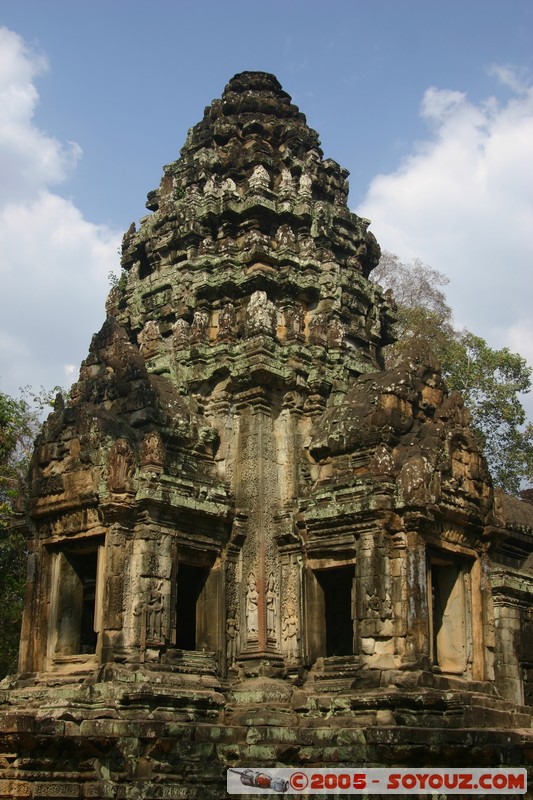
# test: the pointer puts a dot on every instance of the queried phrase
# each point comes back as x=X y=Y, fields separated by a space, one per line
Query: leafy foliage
x=117 y=281
x=491 y=381
x=12 y=568
x=19 y=424
x=16 y=427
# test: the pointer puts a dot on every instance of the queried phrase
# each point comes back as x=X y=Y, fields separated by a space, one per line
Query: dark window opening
x=336 y=585
x=191 y=581
x=145 y=268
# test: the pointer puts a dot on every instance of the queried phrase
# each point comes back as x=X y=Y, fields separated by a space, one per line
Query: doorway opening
x=448 y=614
x=337 y=588
x=191 y=583
x=76 y=626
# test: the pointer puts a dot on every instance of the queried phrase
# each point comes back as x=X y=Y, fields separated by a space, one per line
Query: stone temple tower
x=249 y=542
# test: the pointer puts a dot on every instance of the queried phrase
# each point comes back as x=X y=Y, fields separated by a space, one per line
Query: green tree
x=491 y=381
x=15 y=430
x=19 y=425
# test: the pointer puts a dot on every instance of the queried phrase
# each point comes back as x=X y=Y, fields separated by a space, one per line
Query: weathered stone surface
x=249 y=542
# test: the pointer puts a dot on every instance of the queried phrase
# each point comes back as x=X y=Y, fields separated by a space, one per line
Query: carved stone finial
x=228 y=188
x=211 y=189
x=286 y=186
x=259 y=180
x=305 y=187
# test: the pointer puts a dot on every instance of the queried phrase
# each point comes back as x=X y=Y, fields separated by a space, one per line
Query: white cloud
x=462 y=202
x=54 y=262
x=520 y=340
x=29 y=159
x=509 y=76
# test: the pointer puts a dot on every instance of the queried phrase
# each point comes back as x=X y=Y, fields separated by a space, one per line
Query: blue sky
x=428 y=104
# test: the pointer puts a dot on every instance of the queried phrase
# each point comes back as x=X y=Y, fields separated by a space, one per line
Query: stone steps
x=334 y=673
x=198 y=661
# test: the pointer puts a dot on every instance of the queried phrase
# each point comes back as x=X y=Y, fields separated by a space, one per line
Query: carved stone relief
x=289 y=634
x=260 y=315
x=152 y=450
x=232 y=636
x=200 y=326
x=181 y=332
x=271 y=607
x=294 y=321
x=150 y=612
x=336 y=332
x=121 y=467
x=154 y=614
x=318 y=329
x=227 y=320
x=252 y=609
x=150 y=338
x=286 y=238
